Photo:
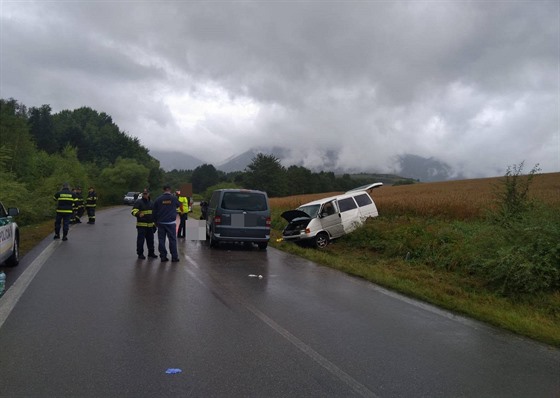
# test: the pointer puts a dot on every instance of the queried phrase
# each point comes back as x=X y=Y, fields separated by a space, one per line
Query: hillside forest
x=39 y=151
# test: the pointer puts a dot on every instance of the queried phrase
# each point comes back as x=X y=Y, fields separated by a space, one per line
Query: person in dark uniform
x=142 y=210
x=65 y=205
x=166 y=208
x=91 y=203
x=80 y=208
x=203 y=210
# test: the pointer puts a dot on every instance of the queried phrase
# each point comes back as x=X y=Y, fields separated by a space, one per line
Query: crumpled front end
x=297 y=229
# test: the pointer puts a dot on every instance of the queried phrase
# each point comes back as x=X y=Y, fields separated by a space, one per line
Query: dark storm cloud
x=474 y=84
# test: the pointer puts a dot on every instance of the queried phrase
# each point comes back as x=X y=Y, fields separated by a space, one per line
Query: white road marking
x=13 y=294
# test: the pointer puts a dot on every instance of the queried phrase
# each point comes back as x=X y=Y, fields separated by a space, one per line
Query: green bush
x=522 y=257
x=530 y=260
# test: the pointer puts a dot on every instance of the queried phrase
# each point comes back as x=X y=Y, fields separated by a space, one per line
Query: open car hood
x=291 y=215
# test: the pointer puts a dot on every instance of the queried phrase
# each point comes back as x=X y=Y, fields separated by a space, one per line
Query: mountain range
x=411 y=166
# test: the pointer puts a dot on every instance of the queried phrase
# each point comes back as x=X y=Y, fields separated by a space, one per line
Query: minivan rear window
x=248 y=201
x=363 y=200
x=346 y=204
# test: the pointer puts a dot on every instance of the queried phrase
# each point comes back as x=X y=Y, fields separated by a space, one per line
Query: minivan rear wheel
x=321 y=240
x=212 y=241
x=262 y=245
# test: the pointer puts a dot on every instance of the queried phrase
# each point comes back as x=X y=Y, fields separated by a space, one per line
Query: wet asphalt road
x=85 y=318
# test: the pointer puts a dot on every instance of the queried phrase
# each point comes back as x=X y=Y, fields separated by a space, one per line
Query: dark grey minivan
x=238 y=215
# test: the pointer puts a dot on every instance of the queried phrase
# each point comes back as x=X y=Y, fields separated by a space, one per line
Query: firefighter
x=65 y=204
x=80 y=206
x=145 y=227
x=91 y=203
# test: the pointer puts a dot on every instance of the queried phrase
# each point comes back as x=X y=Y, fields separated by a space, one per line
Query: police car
x=9 y=236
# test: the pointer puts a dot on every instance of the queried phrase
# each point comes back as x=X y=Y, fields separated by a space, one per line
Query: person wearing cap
x=165 y=210
x=65 y=205
x=91 y=203
x=142 y=210
x=183 y=212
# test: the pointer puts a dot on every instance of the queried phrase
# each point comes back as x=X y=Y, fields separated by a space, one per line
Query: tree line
x=39 y=150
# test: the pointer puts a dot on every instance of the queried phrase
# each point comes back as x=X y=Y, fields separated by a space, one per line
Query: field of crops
x=461 y=200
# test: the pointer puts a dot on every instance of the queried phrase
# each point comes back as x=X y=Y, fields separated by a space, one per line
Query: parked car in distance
x=317 y=223
x=238 y=215
x=130 y=198
x=9 y=236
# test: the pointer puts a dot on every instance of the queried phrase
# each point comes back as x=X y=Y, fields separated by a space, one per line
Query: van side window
x=363 y=200
x=328 y=209
x=346 y=204
x=214 y=200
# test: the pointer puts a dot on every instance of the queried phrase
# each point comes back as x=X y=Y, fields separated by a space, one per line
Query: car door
x=329 y=217
x=6 y=234
x=349 y=214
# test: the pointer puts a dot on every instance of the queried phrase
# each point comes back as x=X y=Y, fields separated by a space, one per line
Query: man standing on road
x=165 y=211
x=184 y=211
x=65 y=205
x=142 y=210
x=91 y=203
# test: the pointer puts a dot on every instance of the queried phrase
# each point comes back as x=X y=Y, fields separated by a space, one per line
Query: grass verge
x=537 y=317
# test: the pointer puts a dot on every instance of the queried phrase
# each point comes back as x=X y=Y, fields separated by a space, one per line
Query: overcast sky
x=472 y=83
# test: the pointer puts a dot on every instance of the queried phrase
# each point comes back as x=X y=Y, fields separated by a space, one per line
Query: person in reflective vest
x=91 y=203
x=184 y=213
x=142 y=210
x=65 y=207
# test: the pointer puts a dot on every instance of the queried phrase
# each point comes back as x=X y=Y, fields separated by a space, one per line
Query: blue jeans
x=169 y=231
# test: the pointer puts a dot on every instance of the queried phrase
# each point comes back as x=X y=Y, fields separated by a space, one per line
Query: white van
x=320 y=221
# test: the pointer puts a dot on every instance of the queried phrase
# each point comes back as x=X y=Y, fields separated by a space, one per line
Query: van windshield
x=310 y=210
x=248 y=201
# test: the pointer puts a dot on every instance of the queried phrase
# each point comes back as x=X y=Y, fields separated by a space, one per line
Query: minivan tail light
x=268 y=222
x=217 y=220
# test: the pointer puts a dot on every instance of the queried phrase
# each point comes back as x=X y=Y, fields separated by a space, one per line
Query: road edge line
x=13 y=294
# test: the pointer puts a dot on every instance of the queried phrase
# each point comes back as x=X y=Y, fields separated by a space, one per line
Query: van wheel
x=262 y=245
x=321 y=240
x=212 y=241
x=13 y=260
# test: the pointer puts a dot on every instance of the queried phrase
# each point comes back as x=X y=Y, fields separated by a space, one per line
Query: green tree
x=512 y=195
x=326 y=181
x=266 y=174
x=300 y=180
x=19 y=148
x=125 y=175
x=41 y=127
x=97 y=138
x=204 y=176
